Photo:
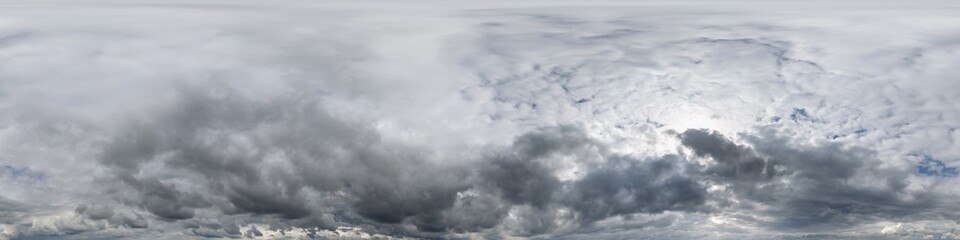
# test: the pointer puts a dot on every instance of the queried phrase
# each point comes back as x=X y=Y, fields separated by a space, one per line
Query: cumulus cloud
x=483 y=120
x=812 y=185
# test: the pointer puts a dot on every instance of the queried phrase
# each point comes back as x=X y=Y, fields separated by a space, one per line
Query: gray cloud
x=486 y=120
x=219 y=143
x=825 y=186
x=627 y=186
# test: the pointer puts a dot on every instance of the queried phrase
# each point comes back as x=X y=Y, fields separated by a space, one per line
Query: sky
x=469 y=119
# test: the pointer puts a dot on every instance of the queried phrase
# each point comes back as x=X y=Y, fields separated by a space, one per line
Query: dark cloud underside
x=478 y=120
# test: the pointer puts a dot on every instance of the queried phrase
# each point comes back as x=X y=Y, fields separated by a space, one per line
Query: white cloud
x=478 y=119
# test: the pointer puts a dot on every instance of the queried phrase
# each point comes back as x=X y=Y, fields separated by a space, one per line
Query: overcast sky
x=479 y=119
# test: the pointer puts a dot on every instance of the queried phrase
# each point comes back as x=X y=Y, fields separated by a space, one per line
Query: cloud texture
x=480 y=120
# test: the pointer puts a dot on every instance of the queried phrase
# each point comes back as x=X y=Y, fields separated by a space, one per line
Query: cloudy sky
x=479 y=119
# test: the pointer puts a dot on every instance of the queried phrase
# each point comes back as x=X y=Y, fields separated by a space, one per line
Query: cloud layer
x=492 y=120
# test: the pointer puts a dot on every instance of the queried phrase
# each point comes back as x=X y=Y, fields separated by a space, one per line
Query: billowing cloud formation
x=479 y=121
x=808 y=186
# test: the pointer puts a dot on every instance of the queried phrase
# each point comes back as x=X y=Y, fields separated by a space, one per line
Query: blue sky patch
x=935 y=168
x=21 y=174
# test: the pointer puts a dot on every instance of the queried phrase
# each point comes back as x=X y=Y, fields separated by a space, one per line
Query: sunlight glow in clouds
x=479 y=120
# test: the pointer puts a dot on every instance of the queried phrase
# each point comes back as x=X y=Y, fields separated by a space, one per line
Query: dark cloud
x=523 y=174
x=482 y=120
x=223 y=142
x=11 y=210
x=95 y=212
x=626 y=186
x=325 y=171
x=732 y=161
x=823 y=186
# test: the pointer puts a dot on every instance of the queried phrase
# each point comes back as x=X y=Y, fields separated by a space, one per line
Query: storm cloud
x=478 y=120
